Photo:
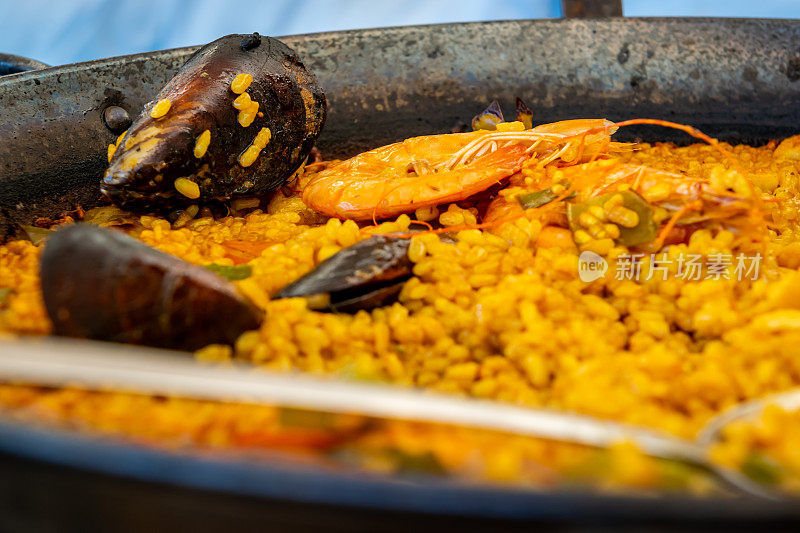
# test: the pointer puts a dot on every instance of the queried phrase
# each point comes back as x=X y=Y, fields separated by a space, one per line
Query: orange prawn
x=685 y=200
x=437 y=169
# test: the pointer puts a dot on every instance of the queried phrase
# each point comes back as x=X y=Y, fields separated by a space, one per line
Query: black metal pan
x=737 y=80
x=733 y=79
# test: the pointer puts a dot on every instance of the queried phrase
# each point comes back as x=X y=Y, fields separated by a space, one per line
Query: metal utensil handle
x=104 y=366
x=789 y=400
x=11 y=64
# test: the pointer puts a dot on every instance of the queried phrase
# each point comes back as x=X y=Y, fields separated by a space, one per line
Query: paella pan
x=468 y=263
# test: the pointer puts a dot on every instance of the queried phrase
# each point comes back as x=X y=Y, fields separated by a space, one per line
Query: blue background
x=65 y=31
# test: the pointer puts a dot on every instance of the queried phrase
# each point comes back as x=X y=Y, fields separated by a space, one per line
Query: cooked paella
x=542 y=266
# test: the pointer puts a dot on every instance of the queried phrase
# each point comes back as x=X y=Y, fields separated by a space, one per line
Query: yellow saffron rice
x=491 y=315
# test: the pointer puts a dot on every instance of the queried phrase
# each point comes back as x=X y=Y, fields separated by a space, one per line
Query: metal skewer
x=106 y=366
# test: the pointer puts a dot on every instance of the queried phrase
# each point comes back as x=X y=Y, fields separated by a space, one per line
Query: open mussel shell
x=102 y=284
x=489 y=118
x=196 y=149
x=524 y=114
x=367 y=275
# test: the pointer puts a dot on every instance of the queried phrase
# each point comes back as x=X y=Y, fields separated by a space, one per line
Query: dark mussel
x=524 y=114
x=366 y=275
x=10 y=230
x=102 y=284
x=238 y=118
x=489 y=118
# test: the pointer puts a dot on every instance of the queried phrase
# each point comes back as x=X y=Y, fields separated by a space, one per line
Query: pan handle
x=11 y=64
x=591 y=8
